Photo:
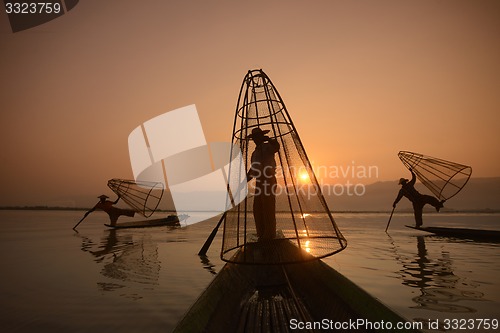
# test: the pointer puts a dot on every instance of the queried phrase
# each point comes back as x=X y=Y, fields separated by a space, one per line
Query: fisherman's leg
x=113 y=218
x=270 y=209
x=272 y=222
x=126 y=212
x=269 y=217
x=417 y=211
x=258 y=216
x=433 y=201
x=129 y=212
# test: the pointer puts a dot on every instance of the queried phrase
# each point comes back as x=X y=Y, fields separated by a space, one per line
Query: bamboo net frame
x=302 y=214
x=443 y=178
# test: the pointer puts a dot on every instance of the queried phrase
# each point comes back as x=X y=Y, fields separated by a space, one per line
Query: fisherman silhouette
x=418 y=200
x=263 y=169
x=113 y=212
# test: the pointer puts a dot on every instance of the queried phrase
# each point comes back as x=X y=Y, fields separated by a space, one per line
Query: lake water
x=54 y=279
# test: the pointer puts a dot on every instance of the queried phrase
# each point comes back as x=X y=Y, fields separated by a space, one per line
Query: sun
x=304 y=176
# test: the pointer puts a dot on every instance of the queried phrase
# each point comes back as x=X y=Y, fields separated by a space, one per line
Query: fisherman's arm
x=274 y=144
x=400 y=195
x=90 y=210
x=413 y=178
x=252 y=172
x=117 y=200
x=249 y=175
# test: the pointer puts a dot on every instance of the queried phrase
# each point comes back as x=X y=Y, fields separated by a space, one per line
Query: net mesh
x=443 y=178
x=144 y=197
x=301 y=214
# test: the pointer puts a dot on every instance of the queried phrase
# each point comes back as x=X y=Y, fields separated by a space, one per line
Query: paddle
x=390 y=218
x=83 y=218
x=208 y=242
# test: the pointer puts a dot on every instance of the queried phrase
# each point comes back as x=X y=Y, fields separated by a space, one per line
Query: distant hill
x=478 y=194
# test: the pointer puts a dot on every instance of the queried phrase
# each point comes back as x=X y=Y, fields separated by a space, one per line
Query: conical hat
x=257 y=132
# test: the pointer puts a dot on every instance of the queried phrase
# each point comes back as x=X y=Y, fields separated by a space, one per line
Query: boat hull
x=466 y=233
x=283 y=298
x=171 y=220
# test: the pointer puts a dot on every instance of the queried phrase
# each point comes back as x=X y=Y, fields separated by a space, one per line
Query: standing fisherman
x=263 y=169
x=418 y=200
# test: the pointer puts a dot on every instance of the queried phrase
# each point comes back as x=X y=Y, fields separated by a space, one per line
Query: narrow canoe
x=171 y=220
x=305 y=297
x=474 y=234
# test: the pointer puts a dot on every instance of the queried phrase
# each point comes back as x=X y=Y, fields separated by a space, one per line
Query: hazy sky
x=362 y=80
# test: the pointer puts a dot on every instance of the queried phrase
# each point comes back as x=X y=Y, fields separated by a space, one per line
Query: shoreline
x=404 y=211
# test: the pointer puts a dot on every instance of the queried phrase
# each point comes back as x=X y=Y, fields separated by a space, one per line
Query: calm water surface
x=56 y=280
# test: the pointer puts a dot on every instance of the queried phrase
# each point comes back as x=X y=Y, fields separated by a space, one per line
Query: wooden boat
x=474 y=234
x=171 y=220
x=304 y=297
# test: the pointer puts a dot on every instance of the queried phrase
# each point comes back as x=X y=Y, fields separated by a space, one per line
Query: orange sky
x=361 y=80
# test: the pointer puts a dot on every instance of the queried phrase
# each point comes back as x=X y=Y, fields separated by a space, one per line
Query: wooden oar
x=83 y=218
x=390 y=218
x=208 y=242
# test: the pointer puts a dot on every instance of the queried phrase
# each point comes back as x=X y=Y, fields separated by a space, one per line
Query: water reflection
x=440 y=288
x=126 y=258
x=207 y=265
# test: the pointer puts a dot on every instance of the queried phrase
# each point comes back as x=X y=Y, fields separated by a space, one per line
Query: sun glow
x=307 y=245
x=304 y=176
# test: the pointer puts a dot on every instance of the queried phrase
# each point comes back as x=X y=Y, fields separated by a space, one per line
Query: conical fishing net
x=144 y=197
x=284 y=207
x=443 y=178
